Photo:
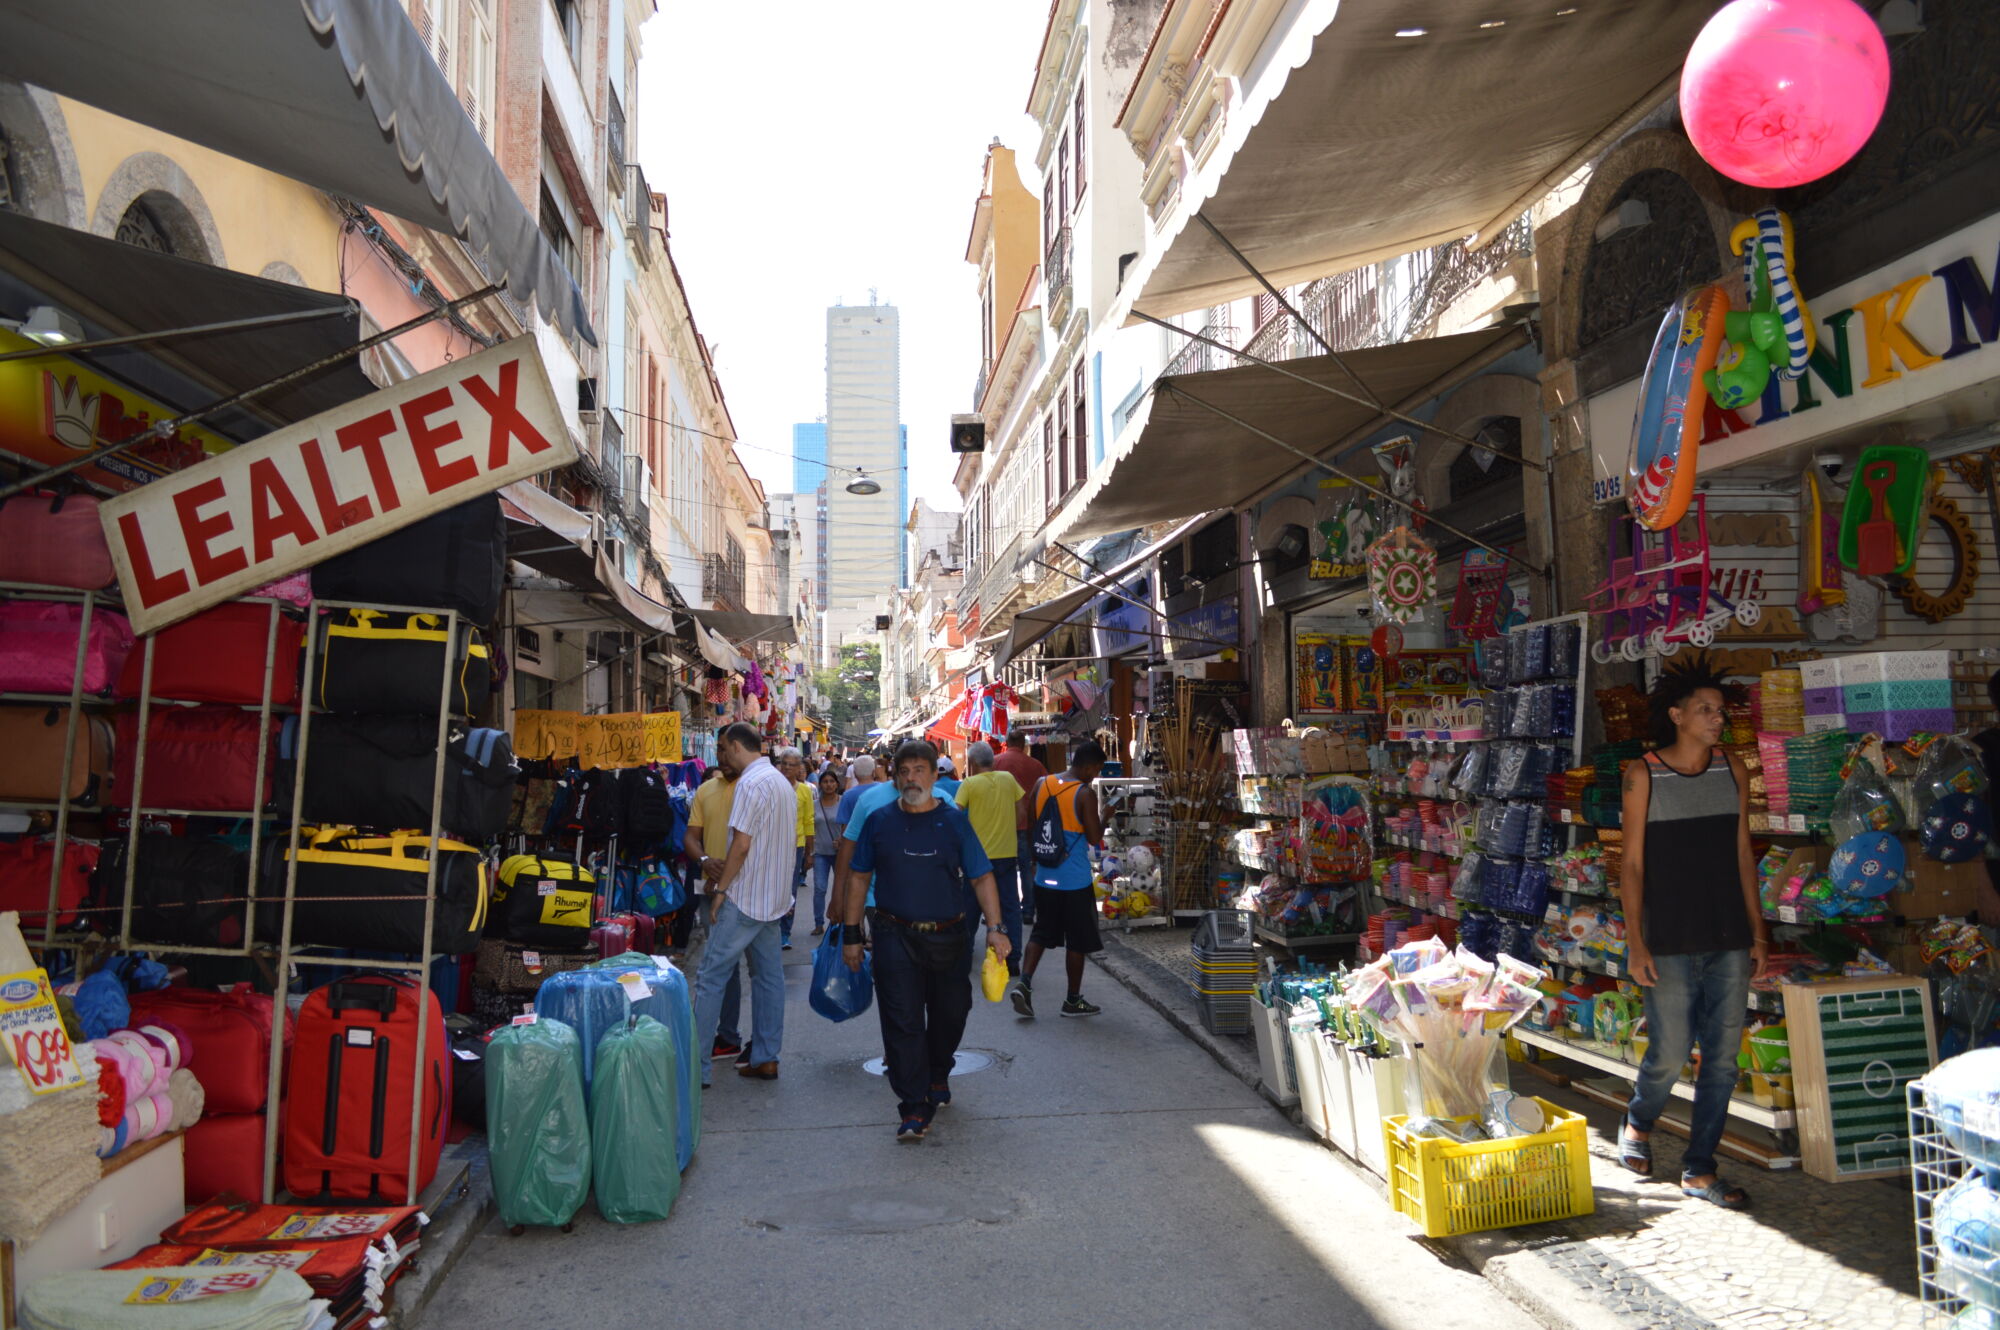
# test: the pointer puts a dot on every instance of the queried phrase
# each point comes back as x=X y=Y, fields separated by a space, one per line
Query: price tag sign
x=154 y=1290
x=333 y=1224
x=31 y=1031
x=525 y=1018
x=635 y=987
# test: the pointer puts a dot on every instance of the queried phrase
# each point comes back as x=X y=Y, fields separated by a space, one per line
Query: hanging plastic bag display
x=537 y=1130
x=1865 y=804
x=1402 y=575
x=668 y=984
x=632 y=1110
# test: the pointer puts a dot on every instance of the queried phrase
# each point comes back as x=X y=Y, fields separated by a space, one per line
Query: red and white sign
x=309 y=491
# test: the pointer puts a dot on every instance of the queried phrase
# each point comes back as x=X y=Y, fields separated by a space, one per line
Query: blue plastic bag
x=839 y=993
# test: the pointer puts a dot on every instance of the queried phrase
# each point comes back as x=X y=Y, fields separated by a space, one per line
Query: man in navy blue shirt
x=920 y=851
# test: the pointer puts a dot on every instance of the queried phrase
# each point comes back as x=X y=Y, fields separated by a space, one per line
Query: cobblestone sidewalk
x=1808 y=1253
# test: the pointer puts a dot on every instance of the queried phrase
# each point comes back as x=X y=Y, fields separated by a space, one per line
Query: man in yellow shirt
x=792 y=762
x=988 y=797
x=706 y=846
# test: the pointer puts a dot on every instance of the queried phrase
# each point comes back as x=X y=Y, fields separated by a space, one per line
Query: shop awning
x=339 y=94
x=1378 y=144
x=949 y=723
x=547 y=534
x=1036 y=622
x=743 y=629
x=1185 y=459
x=117 y=290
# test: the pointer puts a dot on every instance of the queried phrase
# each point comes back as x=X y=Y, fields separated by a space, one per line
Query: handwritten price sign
x=32 y=1033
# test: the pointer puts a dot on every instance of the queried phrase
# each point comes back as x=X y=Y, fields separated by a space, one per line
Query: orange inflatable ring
x=1666 y=431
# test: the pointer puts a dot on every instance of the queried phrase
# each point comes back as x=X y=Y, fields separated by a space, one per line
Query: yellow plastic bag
x=993 y=975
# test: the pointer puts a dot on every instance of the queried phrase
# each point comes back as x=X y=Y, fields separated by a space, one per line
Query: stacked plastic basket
x=1955 y=1159
x=1225 y=967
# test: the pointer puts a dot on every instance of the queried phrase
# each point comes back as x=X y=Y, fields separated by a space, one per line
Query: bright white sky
x=812 y=150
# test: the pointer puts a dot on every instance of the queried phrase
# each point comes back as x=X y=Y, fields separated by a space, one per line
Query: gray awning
x=1036 y=622
x=1185 y=459
x=743 y=628
x=339 y=94
x=1377 y=145
x=547 y=534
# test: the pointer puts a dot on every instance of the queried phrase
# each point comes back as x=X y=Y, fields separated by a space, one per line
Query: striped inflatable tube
x=1774 y=232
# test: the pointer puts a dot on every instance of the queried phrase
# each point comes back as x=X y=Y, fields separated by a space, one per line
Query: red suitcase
x=38 y=647
x=198 y=759
x=348 y=1098
x=24 y=879
x=230 y=1034
x=218 y=656
x=613 y=936
x=225 y=1156
x=54 y=540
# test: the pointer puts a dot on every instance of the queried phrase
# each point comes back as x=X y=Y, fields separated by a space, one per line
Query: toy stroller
x=1658 y=596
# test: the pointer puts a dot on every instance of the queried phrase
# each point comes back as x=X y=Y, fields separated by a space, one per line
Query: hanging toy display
x=1776 y=93
x=1775 y=333
x=1482 y=595
x=1398 y=460
x=1666 y=431
x=1402 y=575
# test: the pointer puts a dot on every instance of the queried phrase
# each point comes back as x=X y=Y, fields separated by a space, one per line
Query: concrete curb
x=452 y=1230
x=1157 y=987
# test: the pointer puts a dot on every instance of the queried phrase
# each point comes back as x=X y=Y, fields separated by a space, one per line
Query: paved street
x=1103 y=1170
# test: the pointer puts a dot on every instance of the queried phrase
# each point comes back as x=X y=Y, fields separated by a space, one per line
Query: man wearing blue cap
x=1694 y=927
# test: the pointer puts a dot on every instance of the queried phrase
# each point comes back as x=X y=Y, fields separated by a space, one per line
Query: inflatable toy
x=1666 y=431
x=1776 y=93
x=1775 y=333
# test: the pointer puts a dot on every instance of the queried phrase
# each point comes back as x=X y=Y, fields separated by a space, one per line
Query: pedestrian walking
x=792 y=763
x=706 y=845
x=748 y=900
x=991 y=798
x=874 y=791
x=918 y=857
x=1066 y=826
x=1015 y=760
x=1695 y=930
x=826 y=843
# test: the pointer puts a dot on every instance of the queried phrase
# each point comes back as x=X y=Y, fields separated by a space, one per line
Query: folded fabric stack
x=163 y=1300
x=1781 y=702
x=48 y=1154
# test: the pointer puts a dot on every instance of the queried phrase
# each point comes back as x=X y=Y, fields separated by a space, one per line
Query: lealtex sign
x=1904 y=334
x=198 y=537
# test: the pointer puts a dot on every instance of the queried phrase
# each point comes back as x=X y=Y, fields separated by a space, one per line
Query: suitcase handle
x=378 y=998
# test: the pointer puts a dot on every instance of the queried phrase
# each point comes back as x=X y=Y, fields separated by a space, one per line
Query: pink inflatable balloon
x=1778 y=92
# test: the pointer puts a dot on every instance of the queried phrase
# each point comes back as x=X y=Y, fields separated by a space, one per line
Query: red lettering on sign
x=426 y=439
x=151 y=587
x=202 y=531
x=274 y=511
x=333 y=514
x=508 y=422
x=367 y=436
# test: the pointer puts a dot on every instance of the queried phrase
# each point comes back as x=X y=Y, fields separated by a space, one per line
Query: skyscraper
x=809 y=483
x=863 y=532
x=808 y=457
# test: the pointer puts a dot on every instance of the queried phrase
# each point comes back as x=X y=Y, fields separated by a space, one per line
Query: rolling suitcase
x=225 y=1157
x=537 y=1128
x=219 y=655
x=24 y=879
x=38 y=647
x=52 y=539
x=352 y=1084
x=198 y=760
x=376 y=663
x=32 y=739
x=230 y=1038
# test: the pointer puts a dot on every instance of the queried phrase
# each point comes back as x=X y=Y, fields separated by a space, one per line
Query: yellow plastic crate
x=1451 y=1188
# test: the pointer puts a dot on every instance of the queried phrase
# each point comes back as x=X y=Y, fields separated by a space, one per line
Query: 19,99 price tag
x=155 y=1290
x=32 y=1036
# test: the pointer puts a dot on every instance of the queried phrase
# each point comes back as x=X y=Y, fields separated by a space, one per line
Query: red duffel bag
x=218 y=656
x=24 y=879
x=230 y=1034
x=224 y=1157
x=198 y=759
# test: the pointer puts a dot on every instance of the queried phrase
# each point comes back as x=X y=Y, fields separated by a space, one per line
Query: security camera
x=1830 y=464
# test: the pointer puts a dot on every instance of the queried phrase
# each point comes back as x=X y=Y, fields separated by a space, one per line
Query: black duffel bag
x=365 y=891
x=186 y=889
x=453 y=560
x=372 y=662
x=379 y=771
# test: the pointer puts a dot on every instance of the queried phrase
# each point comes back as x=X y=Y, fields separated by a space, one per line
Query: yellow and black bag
x=546 y=902
x=365 y=890
x=372 y=661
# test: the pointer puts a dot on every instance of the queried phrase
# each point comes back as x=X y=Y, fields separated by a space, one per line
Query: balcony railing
x=1199 y=357
x=638 y=212
x=1055 y=268
x=720 y=582
x=979 y=384
x=999 y=577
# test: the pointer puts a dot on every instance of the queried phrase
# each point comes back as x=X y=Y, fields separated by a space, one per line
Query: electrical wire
x=831 y=466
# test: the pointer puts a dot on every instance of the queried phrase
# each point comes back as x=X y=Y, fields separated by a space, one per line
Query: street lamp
x=861 y=484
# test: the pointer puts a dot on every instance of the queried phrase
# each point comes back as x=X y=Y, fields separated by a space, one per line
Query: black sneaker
x=940 y=1095
x=1076 y=1006
x=912 y=1129
x=1024 y=999
x=743 y=1058
x=724 y=1049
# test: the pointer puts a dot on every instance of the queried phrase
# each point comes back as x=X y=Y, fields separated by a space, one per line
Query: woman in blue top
x=826 y=842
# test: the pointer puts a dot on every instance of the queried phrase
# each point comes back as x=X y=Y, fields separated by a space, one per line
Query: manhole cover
x=968 y=1061
x=886 y=1209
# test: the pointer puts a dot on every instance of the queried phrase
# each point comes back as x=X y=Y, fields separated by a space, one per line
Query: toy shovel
x=1875 y=540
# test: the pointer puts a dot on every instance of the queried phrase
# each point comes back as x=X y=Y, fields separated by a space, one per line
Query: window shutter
x=478 y=91
x=1076 y=134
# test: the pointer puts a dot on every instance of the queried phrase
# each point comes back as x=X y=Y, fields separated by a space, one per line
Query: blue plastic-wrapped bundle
x=631 y=1112
x=537 y=1129
x=662 y=975
x=592 y=1001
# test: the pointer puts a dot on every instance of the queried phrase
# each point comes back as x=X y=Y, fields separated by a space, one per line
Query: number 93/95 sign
x=32 y=1036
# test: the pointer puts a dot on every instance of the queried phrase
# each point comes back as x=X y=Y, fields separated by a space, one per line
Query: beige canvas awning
x=1377 y=144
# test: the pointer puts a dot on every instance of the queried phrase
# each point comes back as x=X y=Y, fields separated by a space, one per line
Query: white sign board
x=345 y=477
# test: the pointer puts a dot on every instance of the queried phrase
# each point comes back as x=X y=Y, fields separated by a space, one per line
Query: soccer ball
x=1966 y=1222
x=1140 y=860
x=1963 y=1093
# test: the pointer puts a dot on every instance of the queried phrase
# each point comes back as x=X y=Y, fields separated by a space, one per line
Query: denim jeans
x=822 y=877
x=798 y=880
x=1700 y=999
x=730 y=1028
x=923 y=993
x=731 y=937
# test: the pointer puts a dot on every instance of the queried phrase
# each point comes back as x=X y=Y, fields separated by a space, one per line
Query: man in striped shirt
x=753 y=894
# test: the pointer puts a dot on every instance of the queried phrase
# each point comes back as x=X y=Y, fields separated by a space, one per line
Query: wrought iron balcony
x=1055 y=272
x=1199 y=357
x=720 y=582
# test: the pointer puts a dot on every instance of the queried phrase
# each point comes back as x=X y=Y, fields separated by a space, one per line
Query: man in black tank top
x=1694 y=928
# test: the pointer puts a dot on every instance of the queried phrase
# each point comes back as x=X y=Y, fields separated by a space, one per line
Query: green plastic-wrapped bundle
x=538 y=1132
x=634 y=1121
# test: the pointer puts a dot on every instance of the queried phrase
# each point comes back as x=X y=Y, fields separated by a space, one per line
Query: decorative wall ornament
x=1936 y=607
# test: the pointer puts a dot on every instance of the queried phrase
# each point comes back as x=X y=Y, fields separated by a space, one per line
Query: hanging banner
x=304 y=493
x=628 y=739
x=663 y=736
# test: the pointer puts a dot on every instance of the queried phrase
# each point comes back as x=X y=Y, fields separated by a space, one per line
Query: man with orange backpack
x=1066 y=825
